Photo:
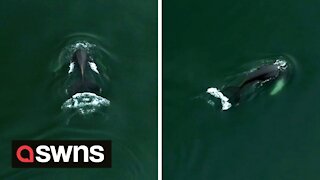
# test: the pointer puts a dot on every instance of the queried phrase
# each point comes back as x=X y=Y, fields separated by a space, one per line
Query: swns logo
x=61 y=154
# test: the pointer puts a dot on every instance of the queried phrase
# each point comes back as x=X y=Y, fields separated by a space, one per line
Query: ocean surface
x=269 y=137
x=34 y=36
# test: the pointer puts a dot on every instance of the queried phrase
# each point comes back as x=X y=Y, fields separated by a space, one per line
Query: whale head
x=84 y=73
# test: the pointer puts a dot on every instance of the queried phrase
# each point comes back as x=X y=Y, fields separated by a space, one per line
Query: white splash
x=218 y=94
x=93 y=66
x=85 y=102
x=71 y=67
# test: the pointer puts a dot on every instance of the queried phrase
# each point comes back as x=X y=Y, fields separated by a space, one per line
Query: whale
x=261 y=76
x=249 y=84
x=80 y=79
x=82 y=70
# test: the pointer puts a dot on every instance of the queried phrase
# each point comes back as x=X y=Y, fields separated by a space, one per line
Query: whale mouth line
x=85 y=103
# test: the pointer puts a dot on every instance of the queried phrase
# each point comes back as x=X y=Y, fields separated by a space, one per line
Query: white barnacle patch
x=218 y=94
x=85 y=103
x=71 y=67
x=83 y=44
x=93 y=66
x=281 y=64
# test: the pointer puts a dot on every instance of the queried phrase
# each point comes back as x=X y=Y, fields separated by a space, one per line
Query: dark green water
x=33 y=33
x=270 y=137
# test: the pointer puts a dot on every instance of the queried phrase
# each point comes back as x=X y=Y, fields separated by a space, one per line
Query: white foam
x=218 y=94
x=85 y=102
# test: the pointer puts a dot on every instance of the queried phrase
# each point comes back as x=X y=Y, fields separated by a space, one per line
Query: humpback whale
x=264 y=75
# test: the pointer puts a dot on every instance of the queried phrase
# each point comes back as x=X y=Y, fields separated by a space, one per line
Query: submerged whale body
x=268 y=74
